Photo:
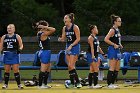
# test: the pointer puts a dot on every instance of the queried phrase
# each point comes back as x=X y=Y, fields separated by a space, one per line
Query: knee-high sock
x=41 y=77
x=76 y=76
x=95 y=78
x=46 y=77
x=17 y=78
x=90 y=78
x=115 y=75
x=71 y=75
x=110 y=77
x=6 y=78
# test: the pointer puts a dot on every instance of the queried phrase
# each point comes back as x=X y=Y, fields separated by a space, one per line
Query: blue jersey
x=10 y=43
x=45 y=44
x=70 y=34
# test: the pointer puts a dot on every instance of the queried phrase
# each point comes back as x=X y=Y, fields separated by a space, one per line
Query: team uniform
x=93 y=76
x=45 y=52
x=75 y=50
x=11 y=57
x=10 y=50
x=112 y=52
x=96 y=50
x=71 y=37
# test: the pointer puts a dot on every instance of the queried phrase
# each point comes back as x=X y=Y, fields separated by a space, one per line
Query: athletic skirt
x=89 y=58
x=114 y=53
x=44 y=56
x=74 y=51
x=10 y=57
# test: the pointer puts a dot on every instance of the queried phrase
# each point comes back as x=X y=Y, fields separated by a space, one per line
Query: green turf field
x=58 y=87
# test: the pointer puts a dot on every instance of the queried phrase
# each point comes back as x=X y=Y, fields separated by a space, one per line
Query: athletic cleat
x=70 y=86
x=44 y=86
x=90 y=87
x=5 y=86
x=79 y=85
x=111 y=86
x=97 y=86
x=20 y=87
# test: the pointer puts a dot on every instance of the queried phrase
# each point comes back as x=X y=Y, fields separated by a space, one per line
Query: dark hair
x=41 y=22
x=91 y=27
x=113 y=18
x=71 y=16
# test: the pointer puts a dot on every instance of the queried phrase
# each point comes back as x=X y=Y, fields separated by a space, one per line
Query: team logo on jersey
x=10 y=40
x=69 y=33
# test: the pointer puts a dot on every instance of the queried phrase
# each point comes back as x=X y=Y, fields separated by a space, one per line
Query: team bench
x=54 y=58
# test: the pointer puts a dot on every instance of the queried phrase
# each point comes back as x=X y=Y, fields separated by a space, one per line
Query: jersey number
x=40 y=44
x=9 y=45
x=69 y=38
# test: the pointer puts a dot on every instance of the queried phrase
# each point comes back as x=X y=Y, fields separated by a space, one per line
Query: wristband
x=113 y=44
x=72 y=45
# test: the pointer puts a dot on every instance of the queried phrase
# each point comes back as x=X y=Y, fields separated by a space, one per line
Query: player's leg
x=45 y=68
x=95 y=75
x=90 y=76
x=70 y=68
x=17 y=75
x=117 y=68
x=6 y=76
x=46 y=75
x=74 y=59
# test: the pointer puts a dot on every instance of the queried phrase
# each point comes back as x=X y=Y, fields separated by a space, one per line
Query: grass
x=59 y=88
x=63 y=74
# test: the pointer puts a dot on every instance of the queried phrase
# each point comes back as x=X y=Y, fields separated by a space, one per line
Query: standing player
x=11 y=44
x=72 y=33
x=92 y=56
x=44 y=31
x=113 y=38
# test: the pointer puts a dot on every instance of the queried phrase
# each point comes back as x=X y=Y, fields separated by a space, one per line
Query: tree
x=98 y=12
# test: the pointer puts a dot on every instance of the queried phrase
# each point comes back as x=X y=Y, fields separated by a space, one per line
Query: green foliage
x=98 y=12
x=28 y=11
x=24 y=12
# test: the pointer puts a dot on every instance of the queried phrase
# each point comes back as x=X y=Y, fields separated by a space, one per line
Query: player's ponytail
x=91 y=27
x=71 y=16
x=113 y=18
